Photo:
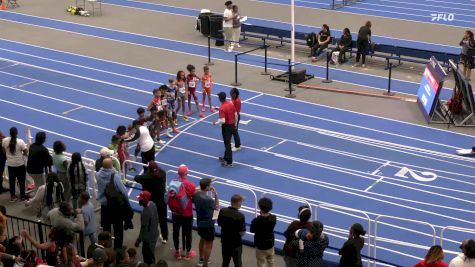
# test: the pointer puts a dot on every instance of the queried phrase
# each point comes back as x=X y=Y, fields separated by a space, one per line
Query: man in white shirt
x=228 y=26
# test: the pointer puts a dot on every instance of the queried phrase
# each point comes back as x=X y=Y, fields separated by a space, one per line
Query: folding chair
x=96 y=5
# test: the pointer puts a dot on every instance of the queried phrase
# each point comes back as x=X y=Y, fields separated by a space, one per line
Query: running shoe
x=212 y=110
x=203 y=109
x=227 y=165
x=177 y=255
x=169 y=134
x=185 y=118
x=161 y=142
x=189 y=113
x=190 y=255
x=176 y=130
x=13 y=199
x=202 y=115
x=234 y=149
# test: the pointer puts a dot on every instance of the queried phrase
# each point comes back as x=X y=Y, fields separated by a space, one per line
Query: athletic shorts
x=207 y=91
x=207 y=233
x=191 y=92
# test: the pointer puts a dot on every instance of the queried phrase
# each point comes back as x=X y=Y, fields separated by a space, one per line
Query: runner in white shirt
x=228 y=26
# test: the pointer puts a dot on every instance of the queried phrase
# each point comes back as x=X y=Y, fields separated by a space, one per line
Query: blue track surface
x=461 y=12
x=350 y=77
x=321 y=154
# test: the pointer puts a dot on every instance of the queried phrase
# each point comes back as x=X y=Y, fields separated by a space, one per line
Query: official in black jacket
x=154 y=181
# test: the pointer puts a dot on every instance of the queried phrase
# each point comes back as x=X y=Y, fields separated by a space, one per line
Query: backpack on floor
x=177 y=196
x=311 y=39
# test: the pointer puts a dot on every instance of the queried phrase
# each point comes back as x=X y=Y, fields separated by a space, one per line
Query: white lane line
x=57 y=116
x=51 y=132
x=382 y=166
x=67 y=102
x=6 y=67
x=274 y=146
x=71 y=110
x=375 y=183
x=146 y=69
x=70 y=88
x=24 y=84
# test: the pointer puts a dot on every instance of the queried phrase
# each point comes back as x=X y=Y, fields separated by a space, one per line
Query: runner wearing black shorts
x=205 y=207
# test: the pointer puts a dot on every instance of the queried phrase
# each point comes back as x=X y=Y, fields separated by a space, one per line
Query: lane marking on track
x=12 y=65
x=274 y=146
x=382 y=166
x=375 y=183
x=245 y=122
x=24 y=84
x=71 y=110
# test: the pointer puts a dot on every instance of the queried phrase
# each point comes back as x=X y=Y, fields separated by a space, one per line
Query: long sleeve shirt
x=103 y=177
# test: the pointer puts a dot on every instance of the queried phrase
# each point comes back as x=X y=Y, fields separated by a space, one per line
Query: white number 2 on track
x=419 y=176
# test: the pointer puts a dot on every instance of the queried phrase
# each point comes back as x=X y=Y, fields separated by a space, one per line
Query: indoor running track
x=321 y=154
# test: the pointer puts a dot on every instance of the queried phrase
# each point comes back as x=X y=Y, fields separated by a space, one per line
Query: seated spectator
x=47 y=197
x=78 y=177
x=351 y=250
x=133 y=262
x=467 y=257
x=344 y=44
x=311 y=243
x=104 y=241
x=162 y=263
x=3 y=216
x=290 y=252
x=323 y=40
x=39 y=160
x=121 y=257
x=263 y=228
x=13 y=247
x=434 y=258
x=87 y=210
x=63 y=217
x=99 y=257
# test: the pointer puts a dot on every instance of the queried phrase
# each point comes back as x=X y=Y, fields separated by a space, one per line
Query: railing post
x=236 y=83
x=209 y=52
x=389 y=93
x=41 y=237
x=327 y=79
x=265 y=58
x=290 y=95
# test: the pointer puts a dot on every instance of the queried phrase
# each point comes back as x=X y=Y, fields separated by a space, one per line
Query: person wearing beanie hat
x=312 y=243
x=180 y=196
x=148 y=235
x=351 y=250
x=467 y=257
x=154 y=181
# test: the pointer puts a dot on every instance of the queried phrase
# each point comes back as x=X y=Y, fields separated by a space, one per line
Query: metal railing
x=39 y=232
x=377 y=220
x=339 y=209
x=454 y=228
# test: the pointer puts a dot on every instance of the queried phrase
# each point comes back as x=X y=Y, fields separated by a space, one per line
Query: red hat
x=182 y=170
x=144 y=196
